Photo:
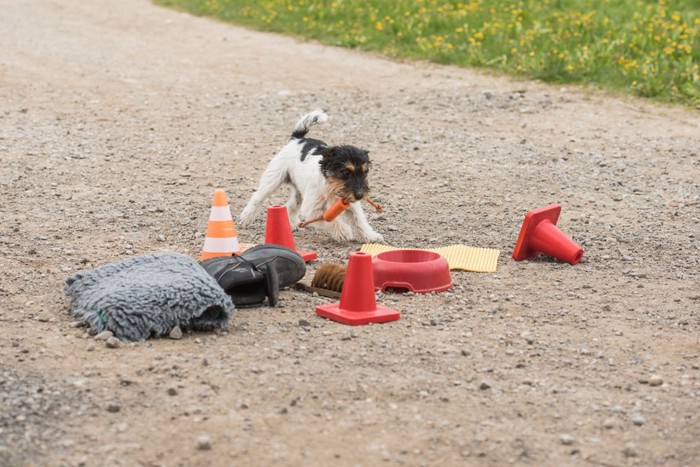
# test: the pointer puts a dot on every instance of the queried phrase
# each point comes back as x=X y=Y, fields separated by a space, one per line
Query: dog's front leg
x=359 y=224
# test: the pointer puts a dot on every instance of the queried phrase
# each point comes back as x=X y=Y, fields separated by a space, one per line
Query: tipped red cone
x=539 y=234
x=357 y=303
x=279 y=232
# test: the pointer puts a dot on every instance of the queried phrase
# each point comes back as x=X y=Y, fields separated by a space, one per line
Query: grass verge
x=647 y=48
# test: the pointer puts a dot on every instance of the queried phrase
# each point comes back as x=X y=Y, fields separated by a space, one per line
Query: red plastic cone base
x=279 y=232
x=307 y=255
x=539 y=234
x=356 y=318
x=357 y=303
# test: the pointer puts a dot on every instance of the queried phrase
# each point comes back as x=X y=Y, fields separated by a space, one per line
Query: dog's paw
x=246 y=218
x=372 y=237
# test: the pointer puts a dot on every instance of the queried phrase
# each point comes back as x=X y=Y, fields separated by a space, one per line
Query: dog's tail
x=307 y=121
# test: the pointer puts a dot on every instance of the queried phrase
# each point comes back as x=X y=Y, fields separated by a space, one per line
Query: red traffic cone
x=357 y=303
x=279 y=232
x=539 y=234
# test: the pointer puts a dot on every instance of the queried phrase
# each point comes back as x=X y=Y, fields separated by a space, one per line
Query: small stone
x=113 y=407
x=113 y=343
x=122 y=427
x=567 y=440
x=466 y=352
x=617 y=409
x=484 y=385
x=175 y=333
x=638 y=420
x=630 y=450
x=104 y=335
x=204 y=443
x=609 y=423
x=655 y=380
x=304 y=323
x=172 y=392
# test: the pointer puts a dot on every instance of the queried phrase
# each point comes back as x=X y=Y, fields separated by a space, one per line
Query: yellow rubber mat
x=462 y=257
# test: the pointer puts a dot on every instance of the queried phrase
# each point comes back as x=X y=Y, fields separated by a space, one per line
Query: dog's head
x=345 y=169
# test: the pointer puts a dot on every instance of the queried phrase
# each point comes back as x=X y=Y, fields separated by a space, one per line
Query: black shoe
x=243 y=281
x=289 y=264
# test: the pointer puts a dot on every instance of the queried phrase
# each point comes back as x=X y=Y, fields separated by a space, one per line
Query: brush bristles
x=329 y=276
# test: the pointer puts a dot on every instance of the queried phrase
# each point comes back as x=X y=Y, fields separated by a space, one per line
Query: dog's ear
x=327 y=152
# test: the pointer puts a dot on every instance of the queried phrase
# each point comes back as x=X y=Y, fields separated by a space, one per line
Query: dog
x=319 y=175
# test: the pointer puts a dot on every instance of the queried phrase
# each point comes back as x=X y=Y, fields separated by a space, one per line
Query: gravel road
x=118 y=120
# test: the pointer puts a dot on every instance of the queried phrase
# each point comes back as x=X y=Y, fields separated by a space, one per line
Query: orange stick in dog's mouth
x=376 y=206
x=331 y=213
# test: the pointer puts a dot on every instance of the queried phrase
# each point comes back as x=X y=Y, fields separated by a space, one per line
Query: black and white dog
x=319 y=175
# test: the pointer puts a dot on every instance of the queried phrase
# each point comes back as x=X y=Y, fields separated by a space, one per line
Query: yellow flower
x=379 y=26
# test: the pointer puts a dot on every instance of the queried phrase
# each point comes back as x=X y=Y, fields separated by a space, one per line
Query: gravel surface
x=119 y=119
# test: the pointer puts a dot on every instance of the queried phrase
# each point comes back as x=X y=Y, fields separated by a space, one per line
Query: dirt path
x=118 y=120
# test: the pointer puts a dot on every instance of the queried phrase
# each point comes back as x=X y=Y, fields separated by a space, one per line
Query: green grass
x=643 y=47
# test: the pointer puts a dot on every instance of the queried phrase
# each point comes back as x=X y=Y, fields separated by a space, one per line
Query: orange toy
x=331 y=213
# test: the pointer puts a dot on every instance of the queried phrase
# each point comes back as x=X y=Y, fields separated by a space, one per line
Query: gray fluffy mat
x=143 y=296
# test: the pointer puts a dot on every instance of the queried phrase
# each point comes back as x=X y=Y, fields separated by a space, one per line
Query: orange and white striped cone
x=221 y=239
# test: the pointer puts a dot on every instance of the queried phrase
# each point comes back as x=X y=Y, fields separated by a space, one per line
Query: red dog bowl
x=416 y=270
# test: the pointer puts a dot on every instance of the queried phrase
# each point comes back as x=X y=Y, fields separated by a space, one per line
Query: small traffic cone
x=357 y=302
x=279 y=232
x=539 y=234
x=221 y=239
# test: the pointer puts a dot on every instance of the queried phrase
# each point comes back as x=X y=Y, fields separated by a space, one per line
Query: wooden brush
x=328 y=280
x=330 y=276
